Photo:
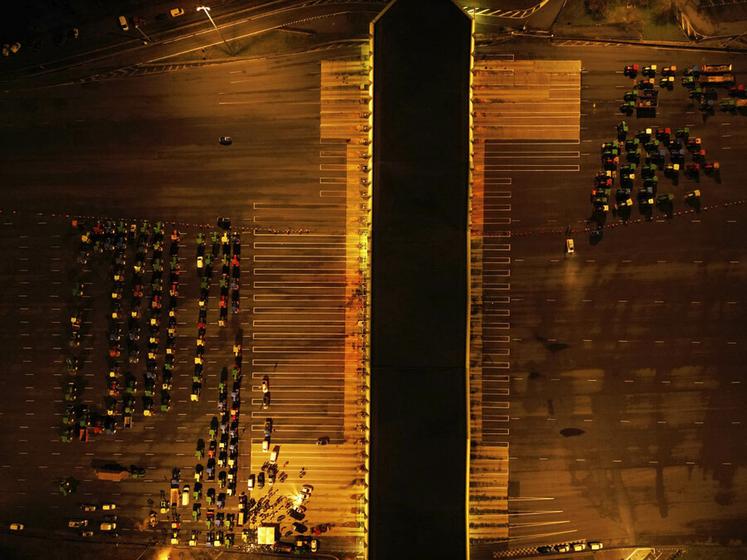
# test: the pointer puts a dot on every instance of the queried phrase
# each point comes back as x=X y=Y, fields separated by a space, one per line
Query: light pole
x=206 y=9
x=146 y=39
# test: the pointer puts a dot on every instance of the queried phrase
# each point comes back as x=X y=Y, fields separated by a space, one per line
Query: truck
x=717 y=80
x=112 y=472
x=646 y=103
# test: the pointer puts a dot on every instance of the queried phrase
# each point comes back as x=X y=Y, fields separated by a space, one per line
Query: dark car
x=225 y=140
x=261 y=480
x=544 y=549
x=268 y=427
x=223 y=222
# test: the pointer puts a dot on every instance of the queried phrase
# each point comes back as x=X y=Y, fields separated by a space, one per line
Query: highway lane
x=633 y=343
x=158 y=158
x=236 y=26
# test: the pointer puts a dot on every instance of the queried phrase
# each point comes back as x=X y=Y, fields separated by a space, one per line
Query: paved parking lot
x=300 y=293
x=623 y=387
x=526 y=117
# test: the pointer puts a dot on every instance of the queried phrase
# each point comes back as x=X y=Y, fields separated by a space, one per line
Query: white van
x=123 y=23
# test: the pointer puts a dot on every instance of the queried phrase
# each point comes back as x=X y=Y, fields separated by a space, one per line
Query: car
x=88 y=507
x=669 y=70
x=630 y=95
x=165 y=401
x=71 y=391
x=610 y=147
x=622 y=130
x=663 y=134
x=176 y=12
x=225 y=140
x=306 y=491
x=667 y=82
x=306 y=544
x=123 y=24
x=622 y=199
x=738 y=91
x=108 y=526
x=261 y=480
x=77 y=523
x=595 y=545
x=193 y=537
x=631 y=70
x=649 y=71
x=562 y=548
x=569 y=246
x=185 y=495
x=268 y=427
x=86 y=533
x=274 y=454
x=664 y=198
x=578 y=547
x=646 y=83
x=627 y=180
x=108 y=507
x=544 y=549
x=17 y=526
x=602 y=205
x=175 y=536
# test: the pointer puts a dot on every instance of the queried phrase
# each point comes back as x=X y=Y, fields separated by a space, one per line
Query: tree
x=597 y=9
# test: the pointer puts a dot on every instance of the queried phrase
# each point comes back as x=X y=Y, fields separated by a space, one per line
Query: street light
x=206 y=9
x=146 y=39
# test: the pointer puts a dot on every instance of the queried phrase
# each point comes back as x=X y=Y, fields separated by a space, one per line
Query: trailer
x=715 y=68
x=174 y=497
x=114 y=473
x=717 y=79
x=733 y=104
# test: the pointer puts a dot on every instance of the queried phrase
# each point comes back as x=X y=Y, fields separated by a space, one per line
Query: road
x=621 y=415
x=188 y=37
x=146 y=148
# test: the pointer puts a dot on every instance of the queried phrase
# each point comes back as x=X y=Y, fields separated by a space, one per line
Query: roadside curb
x=630 y=42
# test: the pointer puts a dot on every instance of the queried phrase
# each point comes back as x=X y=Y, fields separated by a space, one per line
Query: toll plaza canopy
x=419 y=281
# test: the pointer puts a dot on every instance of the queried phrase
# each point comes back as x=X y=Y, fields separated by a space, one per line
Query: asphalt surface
x=623 y=415
x=146 y=148
x=419 y=282
x=105 y=48
x=647 y=374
